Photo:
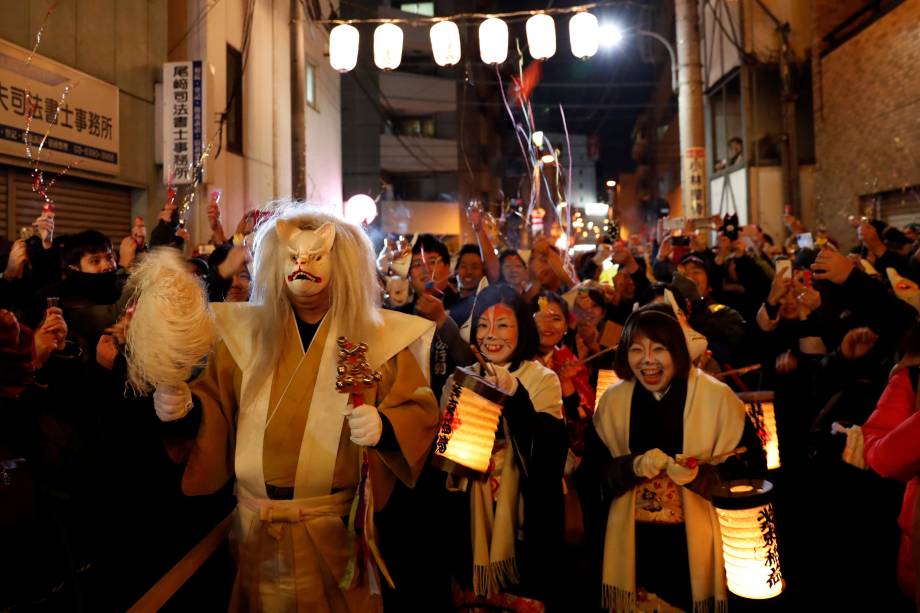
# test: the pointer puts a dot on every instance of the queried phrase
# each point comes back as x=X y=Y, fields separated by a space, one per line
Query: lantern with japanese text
x=541 y=36
x=749 y=542
x=759 y=407
x=605 y=378
x=343 y=47
x=584 y=35
x=388 y=44
x=468 y=426
x=493 y=41
x=445 y=43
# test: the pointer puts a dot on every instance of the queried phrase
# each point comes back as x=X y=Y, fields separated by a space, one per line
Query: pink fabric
x=890 y=438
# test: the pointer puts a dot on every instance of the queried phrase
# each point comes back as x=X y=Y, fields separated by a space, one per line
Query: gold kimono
x=289 y=430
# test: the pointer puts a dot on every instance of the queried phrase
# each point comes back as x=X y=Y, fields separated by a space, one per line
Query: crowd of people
x=589 y=501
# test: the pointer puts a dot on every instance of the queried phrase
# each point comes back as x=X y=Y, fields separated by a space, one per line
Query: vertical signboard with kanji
x=695 y=177
x=183 y=104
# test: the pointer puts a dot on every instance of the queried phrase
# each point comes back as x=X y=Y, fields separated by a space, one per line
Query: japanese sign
x=183 y=104
x=694 y=176
x=83 y=131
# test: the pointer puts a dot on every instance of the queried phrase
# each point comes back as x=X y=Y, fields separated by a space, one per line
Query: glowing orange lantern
x=759 y=407
x=605 y=378
x=467 y=431
x=749 y=542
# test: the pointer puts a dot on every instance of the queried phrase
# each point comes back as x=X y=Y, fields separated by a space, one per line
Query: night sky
x=602 y=95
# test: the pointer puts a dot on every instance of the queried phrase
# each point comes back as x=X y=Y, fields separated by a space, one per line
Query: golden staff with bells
x=354 y=375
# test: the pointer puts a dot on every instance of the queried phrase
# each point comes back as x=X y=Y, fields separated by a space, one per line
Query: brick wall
x=867 y=116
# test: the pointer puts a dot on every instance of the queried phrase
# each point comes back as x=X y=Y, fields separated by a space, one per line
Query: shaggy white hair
x=172 y=329
x=353 y=287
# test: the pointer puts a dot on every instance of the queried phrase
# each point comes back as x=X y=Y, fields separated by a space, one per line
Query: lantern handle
x=486 y=366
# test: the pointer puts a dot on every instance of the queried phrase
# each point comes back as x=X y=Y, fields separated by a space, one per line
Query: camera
x=680 y=241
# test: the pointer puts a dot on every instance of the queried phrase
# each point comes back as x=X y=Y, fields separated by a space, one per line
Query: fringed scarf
x=713 y=424
x=494 y=526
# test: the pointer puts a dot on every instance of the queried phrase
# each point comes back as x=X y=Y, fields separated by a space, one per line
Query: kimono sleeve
x=216 y=393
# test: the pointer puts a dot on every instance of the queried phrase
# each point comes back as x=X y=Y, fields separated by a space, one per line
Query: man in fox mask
x=311 y=467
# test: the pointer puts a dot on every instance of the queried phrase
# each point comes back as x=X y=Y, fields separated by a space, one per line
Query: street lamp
x=612 y=35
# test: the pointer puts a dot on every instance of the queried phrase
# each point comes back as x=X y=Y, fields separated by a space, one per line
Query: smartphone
x=805 y=241
x=681 y=247
x=784 y=268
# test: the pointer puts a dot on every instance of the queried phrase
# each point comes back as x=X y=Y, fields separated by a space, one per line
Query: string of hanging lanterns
x=584 y=36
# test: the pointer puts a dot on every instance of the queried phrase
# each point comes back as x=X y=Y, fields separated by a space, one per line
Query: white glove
x=365 y=424
x=853 y=451
x=503 y=380
x=172 y=402
x=679 y=474
x=650 y=463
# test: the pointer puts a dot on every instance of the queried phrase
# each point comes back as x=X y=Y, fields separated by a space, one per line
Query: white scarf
x=713 y=424
x=494 y=530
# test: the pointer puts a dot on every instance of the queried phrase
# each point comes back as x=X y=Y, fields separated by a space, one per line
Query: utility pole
x=790 y=147
x=690 y=109
x=298 y=105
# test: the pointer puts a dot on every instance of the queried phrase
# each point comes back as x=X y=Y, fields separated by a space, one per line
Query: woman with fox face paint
x=528 y=458
x=646 y=427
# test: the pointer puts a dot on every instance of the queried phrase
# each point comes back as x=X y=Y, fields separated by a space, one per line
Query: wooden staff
x=738 y=371
x=598 y=354
x=694 y=462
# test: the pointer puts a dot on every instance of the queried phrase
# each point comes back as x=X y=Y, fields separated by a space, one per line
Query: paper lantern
x=445 y=43
x=493 y=41
x=541 y=36
x=605 y=378
x=388 y=44
x=467 y=431
x=584 y=35
x=759 y=407
x=343 y=47
x=749 y=542
x=360 y=209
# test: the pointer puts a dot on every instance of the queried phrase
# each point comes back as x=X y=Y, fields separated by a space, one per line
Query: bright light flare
x=611 y=35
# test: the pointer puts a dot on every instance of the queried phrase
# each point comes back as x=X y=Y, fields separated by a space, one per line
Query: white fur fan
x=172 y=329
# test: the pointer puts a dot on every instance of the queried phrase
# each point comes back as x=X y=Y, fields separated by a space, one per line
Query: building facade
x=109 y=54
x=867 y=104
x=251 y=39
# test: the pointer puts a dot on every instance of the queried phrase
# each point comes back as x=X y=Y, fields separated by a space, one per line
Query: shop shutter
x=80 y=205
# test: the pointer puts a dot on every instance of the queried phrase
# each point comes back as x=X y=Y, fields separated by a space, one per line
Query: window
x=419 y=8
x=725 y=124
x=413 y=126
x=311 y=86
x=234 y=127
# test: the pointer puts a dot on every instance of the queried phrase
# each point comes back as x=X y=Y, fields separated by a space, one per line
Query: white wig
x=353 y=287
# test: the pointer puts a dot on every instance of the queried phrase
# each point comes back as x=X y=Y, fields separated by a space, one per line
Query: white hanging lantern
x=605 y=378
x=584 y=35
x=467 y=432
x=343 y=47
x=445 y=43
x=750 y=549
x=493 y=41
x=541 y=36
x=759 y=407
x=388 y=44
